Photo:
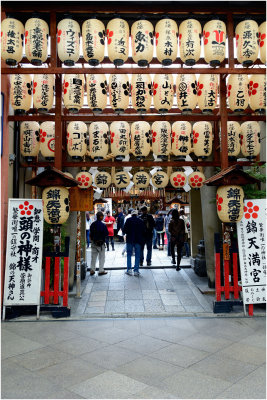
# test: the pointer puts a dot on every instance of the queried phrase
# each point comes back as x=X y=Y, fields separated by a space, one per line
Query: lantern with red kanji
x=257 y=93
x=36 y=40
x=21 y=93
x=181 y=139
x=163 y=92
x=230 y=203
x=121 y=179
x=119 y=90
x=141 y=92
x=12 y=34
x=140 y=139
x=190 y=41
x=186 y=92
x=214 y=37
x=250 y=139
x=202 y=139
x=85 y=179
x=160 y=179
x=96 y=86
x=43 y=92
x=56 y=204
x=47 y=140
x=207 y=90
x=102 y=180
x=142 y=42
x=118 y=41
x=166 y=33
x=262 y=38
x=76 y=139
x=29 y=139
x=141 y=180
x=93 y=38
x=247 y=37
x=178 y=179
x=98 y=140
x=237 y=92
x=196 y=179
x=73 y=92
x=68 y=41
x=161 y=139
x=120 y=139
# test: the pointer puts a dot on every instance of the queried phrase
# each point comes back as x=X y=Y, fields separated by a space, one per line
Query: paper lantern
x=121 y=179
x=21 y=93
x=190 y=41
x=196 y=179
x=93 y=38
x=141 y=179
x=257 y=93
x=202 y=139
x=247 y=36
x=207 y=91
x=36 y=40
x=178 y=179
x=76 y=139
x=68 y=41
x=233 y=134
x=119 y=139
x=56 y=204
x=163 y=92
x=186 y=92
x=118 y=41
x=250 y=139
x=262 y=38
x=43 y=92
x=119 y=89
x=214 y=37
x=102 y=180
x=230 y=203
x=160 y=179
x=166 y=32
x=161 y=139
x=141 y=92
x=96 y=86
x=142 y=42
x=73 y=92
x=12 y=34
x=181 y=139
x=85 y=179
x=98 y=140
x=237 y=92
x=140 y=139
x=29 y=139
x=47 y=140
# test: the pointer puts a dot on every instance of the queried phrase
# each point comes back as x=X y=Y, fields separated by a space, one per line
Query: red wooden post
x=66 y=282
x=56 y=279
x=218 y=276
x=226 y=280
x=47 y=280
x=250 y=310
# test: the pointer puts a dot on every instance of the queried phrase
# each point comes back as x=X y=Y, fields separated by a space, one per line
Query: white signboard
x=251 y=232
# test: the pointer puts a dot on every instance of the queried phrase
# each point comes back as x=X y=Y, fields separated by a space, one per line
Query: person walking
x=124 y=236
x=177 y=231
x=88 y=224
x=98 y=234
x=120 y=223
x=109 y=221
x=159 y=225
x=166 y=223
x=134 y=229
x=149 y=227
x=187 y=231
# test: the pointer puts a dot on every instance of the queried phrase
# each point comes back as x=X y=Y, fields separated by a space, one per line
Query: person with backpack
x=148 y=236
x=98 y=235
x=159 y=225
x=177 y=231
x=134 y=229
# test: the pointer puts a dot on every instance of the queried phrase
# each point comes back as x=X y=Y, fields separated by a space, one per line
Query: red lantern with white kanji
x=163 y=92
x=119 y=90
x=98 y=140
x=161 y=139
x=250 y=139
x=247 y=38
x=207 y=91
x=141 y=180
x=196 y=179
x=202 y=139
x=85 y=179
x=93 y=38
x=96 y=86
x=257 y=93
x=166 y=33
x=56 y=204
x=21 y=93
x=214 y=38
x=118 y=41
x=43 y=92
x=181 y=139
x=68 y=41
x=178 y=179
x=36 y=40
x=141 y=92
x=186 y=92
x=237 y=92
x=190 y=41
x=47 y=140
x=142 y=42
x=73 y=92
x=120 y=139
x=29 y=139
x=140 y=139
x=12 y=34
x=230 y=203
x=262 y=38
x=76 y=139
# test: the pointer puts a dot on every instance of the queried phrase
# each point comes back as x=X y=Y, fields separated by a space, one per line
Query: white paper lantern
x=202 y=139
x=102 y=180
x=250 y=139
x=230 y=203
x=47 y=140
x=233 y=135
x=141 y=179
x=119 y=89
x=43 y=92
x=96 y=86
x=178 y=179
x=36 y=40
x=73 y=92
x=121 y=179
x=181 y=139
x=196 y=179
x=163 y=92
x=68 y=41
x=98 y=140
x=257 y=93
x=93 y=37
x=141 y=92
x=142 y=42
x=166 y=32
x=161 y=139
x=262 y=38
x=76 y=139
x=207 y=92
x=21 y=93
x=140 y=139
x=237 y=92
x=29 y=139
x=160 y=179
x=118 y=41
x=12 y=34
x=186 y=92
x=56 y=204
x=190 y=41
x=247 y=34
x=214 y=37
x=120 y=139
x=85 y=179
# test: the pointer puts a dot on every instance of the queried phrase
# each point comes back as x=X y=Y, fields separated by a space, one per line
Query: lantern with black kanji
x=73 y=92
x=247 y=37
x=262 y=39
x=250 y=139
x=21 y=93
x=76 y=139
x=47 y=140
x=186 y=92
x=161 y=139
x=163 y=92
x=196 y=179
x=202 y=139
x=120 y=139
x=142 y=42
x=93 y=38
x=141 y=92
x=98 y=140
x=141 y=180
x=160 y=179
x=230 y=203
x=85 y=179
x=233 y=138
x=96 y=86
x=207 y=91
x=56 y=205
x=36 y=40
x=121 y=179
x=43 y=92
x=118 y=41
x=190 y=41
x=68 y=41
x=140 y=139
x=214 y=37
x=102 y=180
x=257 y=93
x=178 y=179
x=181 y=139
x=237 y=92
x=166 y=33
x=29 y=139
x=12 y=34
x=119 y=90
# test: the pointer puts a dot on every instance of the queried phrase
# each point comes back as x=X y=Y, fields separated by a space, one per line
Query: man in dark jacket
x=159 y=225
x=149 y=226
x=134 y=229
x=98 y=235
x=120 y=222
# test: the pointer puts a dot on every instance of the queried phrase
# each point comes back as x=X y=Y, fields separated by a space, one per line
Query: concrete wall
x=196 y=231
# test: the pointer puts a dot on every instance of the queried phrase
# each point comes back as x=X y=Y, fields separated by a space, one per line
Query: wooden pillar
x=223 y=112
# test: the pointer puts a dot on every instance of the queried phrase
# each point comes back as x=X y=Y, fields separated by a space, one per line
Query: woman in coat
x=177 y=232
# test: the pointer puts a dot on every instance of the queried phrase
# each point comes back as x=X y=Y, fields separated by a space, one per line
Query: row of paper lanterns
x=250 y=38
x=242 y=90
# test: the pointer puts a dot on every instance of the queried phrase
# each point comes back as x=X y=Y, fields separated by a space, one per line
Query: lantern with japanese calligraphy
x=142 y=42
x=102 y=180
x=166 y=32
x=140 y=139
x=230 y=203
x=214 y=37
x=141 y=92
x=98 y=140
x=178 y=179
x=207 y=91
x=119 y=139
x=190 y=41
x=121 y=179
x=96 y=86
x=21 y=93
x=163 y=92
x=43 y=92
x=119 y=89
x=262 y=38
x=247 y=37
x=73 y=92
x=36 y=40
x=76 y=139
x=85 y=179
x=181 y=139
x=141 y=179
x=161 y=139
x=196 y=179
x=93 y=38
x=186 y=92
x=160 y=179
x=118 y=41
x=237 y=92
x=29 y=139
x=250 y=139
x=68 y=41
x=12 y=34
x=47 y=140
x=202 y=139
x=257 y=93
x=233 y=138
x=56 y=204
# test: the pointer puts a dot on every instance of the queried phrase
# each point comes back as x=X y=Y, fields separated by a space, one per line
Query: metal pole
x=78 y=256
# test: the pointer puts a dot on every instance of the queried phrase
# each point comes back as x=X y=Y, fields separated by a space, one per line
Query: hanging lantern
x=202 y=139
x=237 y=92
x=121 y=179
x=119 y=139
x=163 y=92
x=233 y=134
x=119 y=89
x=43 y=92
x=160 y=179
x=178 y=179
x=141 y=92
x=257 y=93
x=190 y=41
x=76 y=139
x=96 y=86
x=196 y=179
x=98 y=140
x=166 y=32
x=207 y=91
x=161 y=139
x=186 y=92
x=141 y=180
x=29 y=139
x=12 y=34
x=247 y=36
x=230 y=203
x=93 y=38
x=102 y=180
x=250 y=139
x=73 y=92
x=47 y=140
x=21 y=93
x=142 y=42
x=181 y=139
x=85 y=179
x=140 y=139
x=36 y=40
x=214 y=37
x=118 y=41
x=262 y=38
x=68 y=41
x=56 y=204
